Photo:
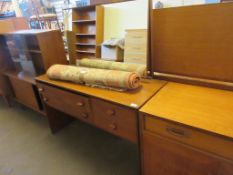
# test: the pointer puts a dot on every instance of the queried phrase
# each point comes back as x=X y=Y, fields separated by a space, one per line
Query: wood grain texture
x=138 y=97
x=88 y=26
x=115 y=119
x=166 y=157
x=52 y=48
x=199 y=107
x=24 y=92
x=194 y=41
x=13 y=24
x=222 y=147
x=75 y=105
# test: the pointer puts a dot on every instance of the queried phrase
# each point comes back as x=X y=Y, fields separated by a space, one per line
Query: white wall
x=175 y=3
x=121 y=16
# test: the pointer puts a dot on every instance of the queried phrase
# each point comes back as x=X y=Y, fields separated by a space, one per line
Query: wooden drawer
x=208 y=142
x=115 y=119
x=135 y=40
x=136 y=48
x=136 y=36
x=75 y=105
x=139 y=58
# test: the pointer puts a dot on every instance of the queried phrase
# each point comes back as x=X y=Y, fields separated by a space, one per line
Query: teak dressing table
x=114 y=112
x=187 y=129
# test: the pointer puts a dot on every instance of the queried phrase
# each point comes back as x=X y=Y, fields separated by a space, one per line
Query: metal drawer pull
x=40 y=89
x=45 y=99
x=84 y=115
x=113 y=126
x=80 y=104
x=177 y=132
x=110 y=112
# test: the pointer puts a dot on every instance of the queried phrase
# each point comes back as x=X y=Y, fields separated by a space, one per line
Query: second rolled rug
x=95 y=77
x=111 y=65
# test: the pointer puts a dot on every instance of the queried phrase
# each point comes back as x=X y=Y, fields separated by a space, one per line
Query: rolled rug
x=111 y=65
x=95 y=77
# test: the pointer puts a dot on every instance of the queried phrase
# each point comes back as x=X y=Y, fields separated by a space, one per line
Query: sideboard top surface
x=199 y=107
x=133 y=99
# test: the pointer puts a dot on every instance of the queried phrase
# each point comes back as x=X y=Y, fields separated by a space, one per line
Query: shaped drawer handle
x=84 y=115
x=110 y=112
x=177 y=132
x=113 y=126
x=45 y=99
x=80 y=104
x=40 y=89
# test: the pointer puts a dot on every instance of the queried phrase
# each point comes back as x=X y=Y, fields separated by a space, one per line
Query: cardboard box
x=112 y=53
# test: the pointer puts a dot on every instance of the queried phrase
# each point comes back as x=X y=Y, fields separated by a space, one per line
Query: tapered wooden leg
x=57 y=120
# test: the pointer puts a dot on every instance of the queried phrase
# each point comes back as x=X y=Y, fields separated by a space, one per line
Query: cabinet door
x=165 y=157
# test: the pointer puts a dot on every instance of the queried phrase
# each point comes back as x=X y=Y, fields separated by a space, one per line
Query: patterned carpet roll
x=95 y=77
x=101 y=64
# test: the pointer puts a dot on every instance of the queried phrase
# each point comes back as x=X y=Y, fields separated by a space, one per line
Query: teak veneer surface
x=199 y=107
x=138 y=97
x=194 y=41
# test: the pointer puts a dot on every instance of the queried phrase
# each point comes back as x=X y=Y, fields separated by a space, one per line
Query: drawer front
x=195 y=138
x=135 y=40
x=136 y=48
x=115 y=119
x=135 y=58
x=139 y=37
x=75 y=105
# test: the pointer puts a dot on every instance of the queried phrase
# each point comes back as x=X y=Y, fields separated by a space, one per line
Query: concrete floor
x=28 y=148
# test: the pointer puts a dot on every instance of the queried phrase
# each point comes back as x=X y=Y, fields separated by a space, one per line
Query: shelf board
x=85 y=51
x=84 y=21
x=85 y=44
x=85 y=34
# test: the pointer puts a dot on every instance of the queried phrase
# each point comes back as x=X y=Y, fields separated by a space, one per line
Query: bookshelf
x=88 y=23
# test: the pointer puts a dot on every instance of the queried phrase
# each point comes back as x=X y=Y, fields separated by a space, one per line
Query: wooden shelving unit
x=88 y=30
x=32 y=52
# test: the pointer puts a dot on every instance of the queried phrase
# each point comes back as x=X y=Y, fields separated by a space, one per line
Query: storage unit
x=32 y=52
x=6 y=26
x=188 y=130
x=88 y=24
x=136 y=46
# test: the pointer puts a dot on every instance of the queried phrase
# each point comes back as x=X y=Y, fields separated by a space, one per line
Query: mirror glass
x=125 y=32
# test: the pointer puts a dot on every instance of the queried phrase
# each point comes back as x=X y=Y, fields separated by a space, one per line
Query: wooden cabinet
x=116 y=119
x=6 y=26
x=163 y=156
x=187 y=130
x=26 y=54
x=88 y=24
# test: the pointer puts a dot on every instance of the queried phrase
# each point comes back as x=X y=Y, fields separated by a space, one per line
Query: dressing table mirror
x=111 y=31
